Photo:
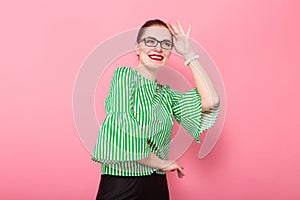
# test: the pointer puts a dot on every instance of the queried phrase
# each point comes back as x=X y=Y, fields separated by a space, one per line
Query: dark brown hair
x=149 y=23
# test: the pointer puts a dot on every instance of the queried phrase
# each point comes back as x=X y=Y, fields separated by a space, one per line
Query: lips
x=156 y=57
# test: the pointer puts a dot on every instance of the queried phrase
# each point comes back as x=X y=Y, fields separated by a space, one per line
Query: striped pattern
x=139 y=119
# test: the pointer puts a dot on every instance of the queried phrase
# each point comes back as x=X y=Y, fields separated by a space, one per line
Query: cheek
x=167 y=55
x=143 y=56
x=142 y=51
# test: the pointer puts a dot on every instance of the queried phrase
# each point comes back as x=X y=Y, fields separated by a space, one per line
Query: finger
x=174 y=29
x=180 y=173
x=180 y=27
x=179 y=169
x=170 y=28
x=188 y=33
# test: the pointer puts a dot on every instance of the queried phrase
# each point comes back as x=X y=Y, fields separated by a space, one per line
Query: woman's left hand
x=181 y=39
x=171 y=165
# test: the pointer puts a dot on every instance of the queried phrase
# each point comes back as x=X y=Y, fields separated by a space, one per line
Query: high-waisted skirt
x=154 y=187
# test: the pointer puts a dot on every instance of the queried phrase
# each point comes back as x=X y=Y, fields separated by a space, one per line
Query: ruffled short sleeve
x=120 y=137
x=187 y=110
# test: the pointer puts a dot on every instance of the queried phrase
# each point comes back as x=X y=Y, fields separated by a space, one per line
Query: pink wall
x=254 y=44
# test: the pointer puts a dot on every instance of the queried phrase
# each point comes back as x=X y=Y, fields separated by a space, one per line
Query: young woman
x=134 y=138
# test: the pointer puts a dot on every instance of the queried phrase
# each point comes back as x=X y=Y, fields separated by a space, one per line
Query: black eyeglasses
x=152 y=42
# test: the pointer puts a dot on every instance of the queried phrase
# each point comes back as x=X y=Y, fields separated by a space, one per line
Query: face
x=154 y=56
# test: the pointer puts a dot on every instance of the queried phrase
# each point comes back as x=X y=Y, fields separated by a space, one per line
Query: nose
x=158 y=48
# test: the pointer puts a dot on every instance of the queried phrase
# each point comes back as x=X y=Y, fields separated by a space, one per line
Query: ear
x=137 y=49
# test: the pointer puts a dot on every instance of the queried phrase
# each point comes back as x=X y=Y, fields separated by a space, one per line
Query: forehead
x=158 y=32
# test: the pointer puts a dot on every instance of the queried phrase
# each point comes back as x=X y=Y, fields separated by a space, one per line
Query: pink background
x=255 y=45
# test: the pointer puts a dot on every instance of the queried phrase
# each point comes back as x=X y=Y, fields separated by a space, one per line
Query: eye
x=167 y=44
x=150 y=41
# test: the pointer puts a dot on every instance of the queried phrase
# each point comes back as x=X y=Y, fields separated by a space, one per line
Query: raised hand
x=181 y=39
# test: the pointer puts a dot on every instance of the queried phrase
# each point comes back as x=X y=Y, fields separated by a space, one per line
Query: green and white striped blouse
x=139 y=119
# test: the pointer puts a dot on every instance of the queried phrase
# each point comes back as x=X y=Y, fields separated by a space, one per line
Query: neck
x=147 y=73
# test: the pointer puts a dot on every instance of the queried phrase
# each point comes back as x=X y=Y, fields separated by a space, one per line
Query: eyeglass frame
x=160 y=42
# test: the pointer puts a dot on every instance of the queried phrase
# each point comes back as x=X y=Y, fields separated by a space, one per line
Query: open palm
x=181 y=39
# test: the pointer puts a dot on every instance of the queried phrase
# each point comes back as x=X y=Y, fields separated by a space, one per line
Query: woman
x=134 y=138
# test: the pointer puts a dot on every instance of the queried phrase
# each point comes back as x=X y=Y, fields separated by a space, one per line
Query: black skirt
x=154 y=187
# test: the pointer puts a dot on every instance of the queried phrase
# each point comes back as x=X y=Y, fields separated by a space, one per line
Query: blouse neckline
x=144 y=78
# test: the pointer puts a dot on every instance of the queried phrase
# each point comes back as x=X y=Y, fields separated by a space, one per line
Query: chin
x=157 y=64
x=154 y=65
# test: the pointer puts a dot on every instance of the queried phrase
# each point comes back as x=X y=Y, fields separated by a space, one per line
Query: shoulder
x=122 y=76
x=122 y=72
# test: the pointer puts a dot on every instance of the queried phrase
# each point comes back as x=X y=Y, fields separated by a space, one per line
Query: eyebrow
x=159 y=40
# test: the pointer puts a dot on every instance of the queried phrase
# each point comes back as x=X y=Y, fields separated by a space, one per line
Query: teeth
x=156 y=57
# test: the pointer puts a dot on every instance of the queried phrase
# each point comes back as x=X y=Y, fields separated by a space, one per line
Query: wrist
x=188 y=55
x=190 y=59
x=164 y=164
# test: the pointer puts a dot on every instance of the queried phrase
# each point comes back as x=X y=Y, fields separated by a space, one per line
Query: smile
x=156 y=57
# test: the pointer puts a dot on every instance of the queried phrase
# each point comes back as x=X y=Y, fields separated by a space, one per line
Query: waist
x=129 y=169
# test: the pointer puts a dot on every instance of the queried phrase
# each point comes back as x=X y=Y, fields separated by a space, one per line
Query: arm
x=209 y=96
x=204 y=85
